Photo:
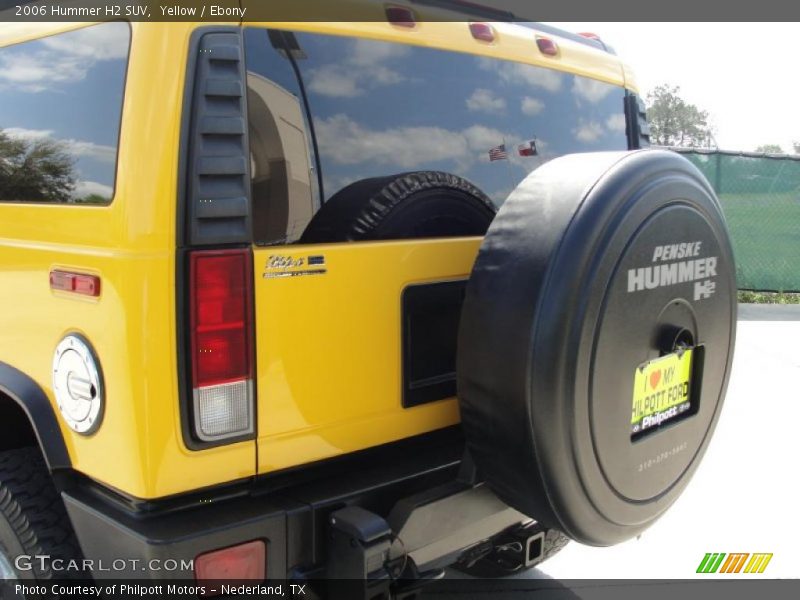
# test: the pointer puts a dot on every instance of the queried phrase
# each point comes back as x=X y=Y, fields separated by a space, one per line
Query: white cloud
x=62 y=58
x=482 y=138
x=347 y=142
x=384 y=75
x=334 y=81
x=37 y=72
x=616 y=123
x=367 y=52
x=363 y=68
x=96 y=43
x=75 y=147
x=28 y=134
x=486 y=101
x=86 y=188
x=531 y=106
x=591 y=90
x=588 y=132
x=519 y=73
x=91 y=150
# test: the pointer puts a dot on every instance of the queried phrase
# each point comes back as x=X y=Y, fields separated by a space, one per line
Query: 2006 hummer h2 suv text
x=327 y=301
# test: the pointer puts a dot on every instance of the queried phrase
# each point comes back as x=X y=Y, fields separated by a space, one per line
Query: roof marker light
x=547 y=46
x=401 y=16
x=482 y=31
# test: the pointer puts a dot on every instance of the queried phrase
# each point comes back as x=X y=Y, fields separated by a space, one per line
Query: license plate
x=661 y=389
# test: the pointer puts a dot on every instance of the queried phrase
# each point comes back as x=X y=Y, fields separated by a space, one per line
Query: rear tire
x=33 y=520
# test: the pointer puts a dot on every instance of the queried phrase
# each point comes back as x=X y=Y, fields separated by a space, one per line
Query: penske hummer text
x=670 y=270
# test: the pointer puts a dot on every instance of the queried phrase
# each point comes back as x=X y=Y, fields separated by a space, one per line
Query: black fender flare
x=37 y=407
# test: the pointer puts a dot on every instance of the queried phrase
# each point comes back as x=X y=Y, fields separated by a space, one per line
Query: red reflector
x=78 y=283
x=220 y=356
x=482 y=31
x=401 y=16
x=221 y=323
x=547 y=46
x=242 y=563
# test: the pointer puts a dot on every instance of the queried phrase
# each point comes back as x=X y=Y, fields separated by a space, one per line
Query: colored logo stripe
x=733 y=564
x=758 y=563
x=710 y=562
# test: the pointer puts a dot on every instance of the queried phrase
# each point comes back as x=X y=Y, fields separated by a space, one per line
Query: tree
x=796 y=147
x=769 y=149
x=40 y=169
x=675 y=122
x=93 y=199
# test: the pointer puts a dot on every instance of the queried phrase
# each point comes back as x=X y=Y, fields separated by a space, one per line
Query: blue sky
x=69 y=88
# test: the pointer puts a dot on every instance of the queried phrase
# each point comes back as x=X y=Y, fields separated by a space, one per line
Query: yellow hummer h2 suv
x=325 y=301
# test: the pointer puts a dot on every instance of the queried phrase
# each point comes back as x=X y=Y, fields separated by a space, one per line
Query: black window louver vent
x=218 y=186
x=636 y=128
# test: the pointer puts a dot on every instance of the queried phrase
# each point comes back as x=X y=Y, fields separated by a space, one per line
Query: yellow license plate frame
x=662 y=390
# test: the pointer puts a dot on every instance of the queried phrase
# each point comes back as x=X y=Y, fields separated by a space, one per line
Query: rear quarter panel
x=130 y=244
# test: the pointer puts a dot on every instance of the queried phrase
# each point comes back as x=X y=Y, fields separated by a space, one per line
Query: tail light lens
x=221 y=326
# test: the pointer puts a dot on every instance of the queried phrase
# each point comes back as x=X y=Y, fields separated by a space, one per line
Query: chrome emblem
x=283 y=265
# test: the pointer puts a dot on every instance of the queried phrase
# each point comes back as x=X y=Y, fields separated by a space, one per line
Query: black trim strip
x=236 y=205
x=32 y=399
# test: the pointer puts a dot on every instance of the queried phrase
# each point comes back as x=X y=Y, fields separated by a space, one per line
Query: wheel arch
x=23 y=403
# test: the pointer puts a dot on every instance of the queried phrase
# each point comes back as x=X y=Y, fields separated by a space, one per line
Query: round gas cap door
x=78 y=385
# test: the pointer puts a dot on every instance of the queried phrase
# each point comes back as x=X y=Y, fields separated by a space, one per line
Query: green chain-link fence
x=760 y=196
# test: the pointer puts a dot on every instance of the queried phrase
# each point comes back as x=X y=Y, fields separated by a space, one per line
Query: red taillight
x=220 y=316
x=482 y=31
x=242 y=563
x=78 y=283
x=590 y=36
x=221 y=331
x=401 y=16
x=547 y=46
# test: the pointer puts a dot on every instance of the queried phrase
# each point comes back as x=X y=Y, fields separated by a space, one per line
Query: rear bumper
x=405 y=486
x=125 y=545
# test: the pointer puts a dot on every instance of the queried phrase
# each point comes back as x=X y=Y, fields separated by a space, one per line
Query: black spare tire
x=420 y=204
x=595 y=267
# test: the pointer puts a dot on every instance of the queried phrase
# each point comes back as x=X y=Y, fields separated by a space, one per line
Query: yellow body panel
x=328 y=347
x=131 y=245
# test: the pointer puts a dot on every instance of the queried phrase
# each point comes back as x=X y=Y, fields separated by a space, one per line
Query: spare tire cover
x=595 y=265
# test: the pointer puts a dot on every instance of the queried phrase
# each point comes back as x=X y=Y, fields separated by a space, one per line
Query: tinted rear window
x=60 y=108
x=380 y=108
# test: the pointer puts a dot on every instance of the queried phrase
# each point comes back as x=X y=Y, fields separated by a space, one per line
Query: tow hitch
x=375 y=558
